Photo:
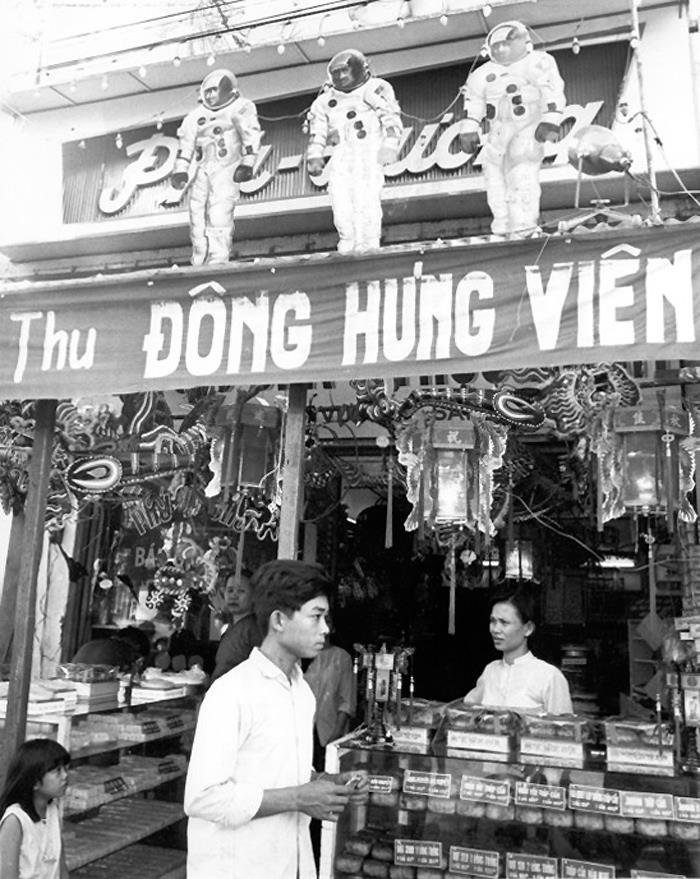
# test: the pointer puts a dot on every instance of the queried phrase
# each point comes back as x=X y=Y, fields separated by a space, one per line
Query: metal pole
x=292 y=473
x=635 y=43
x=25 y=610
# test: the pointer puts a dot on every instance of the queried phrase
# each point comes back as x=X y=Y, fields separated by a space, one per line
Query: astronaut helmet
x=508 y=42
x=218 y=89
x=348 y=70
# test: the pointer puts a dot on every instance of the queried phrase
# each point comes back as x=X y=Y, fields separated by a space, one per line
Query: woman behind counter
x=519 y=680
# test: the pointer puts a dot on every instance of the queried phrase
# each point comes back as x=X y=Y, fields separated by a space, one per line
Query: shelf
x=127 y=793
x=135 y=862
x=106 y=748
x=117 y=825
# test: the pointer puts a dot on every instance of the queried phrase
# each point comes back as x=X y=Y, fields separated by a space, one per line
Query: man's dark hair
x=286 y=585
x=137 y=639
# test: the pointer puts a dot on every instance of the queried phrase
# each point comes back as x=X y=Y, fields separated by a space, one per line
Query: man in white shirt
x=519 y=680
x=249 y=793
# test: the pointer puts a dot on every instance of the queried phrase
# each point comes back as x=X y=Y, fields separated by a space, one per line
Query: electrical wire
x=561 y=533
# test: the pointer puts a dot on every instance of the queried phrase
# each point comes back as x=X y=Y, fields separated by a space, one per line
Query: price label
x=417 y=853
x=530 y=866
x=474 y=862
x=646 y=874
x=687 y=809
x=381 y=784
x=570 y=753
x=543 y=796
x=167 y=767
x=174 y=723
x=429 y=784
x=594 y=799
x=150 y=727
x=585 y=870
x=484 y=790
x=115 y=786
x=471 y=741
x=635 y=804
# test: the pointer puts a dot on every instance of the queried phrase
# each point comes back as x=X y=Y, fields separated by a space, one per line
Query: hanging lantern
x=642 y=467
x=519 y=560
x=250 y=445
x=452 y=489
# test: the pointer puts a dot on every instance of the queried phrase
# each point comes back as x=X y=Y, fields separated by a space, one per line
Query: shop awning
x=587 y=297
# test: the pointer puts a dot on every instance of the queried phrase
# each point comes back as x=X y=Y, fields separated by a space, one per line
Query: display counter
x=429 y=815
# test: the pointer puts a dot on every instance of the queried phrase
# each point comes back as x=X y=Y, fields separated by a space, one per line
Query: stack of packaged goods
x=414 y=724
x=480 y=733
x=42 y=700
x=91 y=786
x=96 y=686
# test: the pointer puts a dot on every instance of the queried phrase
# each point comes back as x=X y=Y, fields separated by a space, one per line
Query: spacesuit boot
x=496 y=195
x=219 y=238
x=199 y=250
x=368 y=211
x=523 y=187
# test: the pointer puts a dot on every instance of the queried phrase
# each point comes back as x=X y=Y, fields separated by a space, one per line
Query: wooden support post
x=292 y=473
x=8 y=600
x=25 y=609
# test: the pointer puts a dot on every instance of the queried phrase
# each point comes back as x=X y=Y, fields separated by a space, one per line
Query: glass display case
x=429 y=814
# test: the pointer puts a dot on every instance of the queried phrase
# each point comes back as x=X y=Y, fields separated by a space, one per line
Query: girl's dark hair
x=286 y=585
x=521 y=597
x=29 y=765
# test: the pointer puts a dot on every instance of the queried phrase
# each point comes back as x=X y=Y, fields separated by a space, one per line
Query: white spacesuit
x=358 y=116
x=517 y=99
x=219 y=142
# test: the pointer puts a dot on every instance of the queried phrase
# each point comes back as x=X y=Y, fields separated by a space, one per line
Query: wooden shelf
x=127 y=793
x=117 y=825
x=135 y=862
x=107 y=747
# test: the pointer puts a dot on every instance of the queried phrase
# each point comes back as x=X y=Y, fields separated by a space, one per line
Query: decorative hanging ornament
x=642 y=467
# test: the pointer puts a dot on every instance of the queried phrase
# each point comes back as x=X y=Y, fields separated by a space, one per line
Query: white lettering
x=294 y=352
x=586 y=292
x=547 y=306
x=205 y=364
x=154 y=340
x=673 y=282
x=255 y=316
x=54 y=339
x=23 y=343
x=76 y=361
x=484 y=319
x=435 y=306
x=399 y=342
x=361 y=322
x=614 y=331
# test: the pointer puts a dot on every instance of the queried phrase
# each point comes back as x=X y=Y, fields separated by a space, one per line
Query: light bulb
x=177 y=61
x=72 y=87
x=575 y=46
x=159 y=124
x=211 y=60
x=321 y=41
x=105 y=82
x=247 y=48
x=401 y=22
x=281 y=49
x=82 y=145
x=487 y=9
x=143 y=71
x=444 y=20
x=118 y=142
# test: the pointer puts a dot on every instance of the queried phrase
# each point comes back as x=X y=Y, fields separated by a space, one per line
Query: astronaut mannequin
x=358 y=116
x=519 y=96
x=223 y=137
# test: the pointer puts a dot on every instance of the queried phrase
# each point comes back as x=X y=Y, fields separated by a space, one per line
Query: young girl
x=30 y=826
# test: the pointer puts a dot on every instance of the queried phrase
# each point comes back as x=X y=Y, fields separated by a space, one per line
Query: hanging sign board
x=402 y=312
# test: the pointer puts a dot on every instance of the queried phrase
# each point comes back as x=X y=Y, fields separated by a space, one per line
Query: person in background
x=331 y=680
x=519 y=680
x=249 y=793
x=30 y=820
x=243 y=632
x=129 y=647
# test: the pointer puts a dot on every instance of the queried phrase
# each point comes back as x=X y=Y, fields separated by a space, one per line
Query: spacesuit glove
x=242 y=174
x=469 y=141
x=547 y=131
x=314 y=167
x=178 y=179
